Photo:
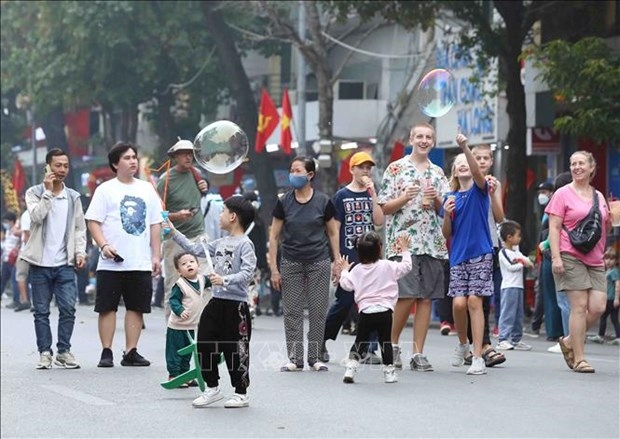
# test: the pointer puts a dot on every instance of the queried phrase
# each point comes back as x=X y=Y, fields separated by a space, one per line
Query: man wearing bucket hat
x=181 y=189
x=357 y=212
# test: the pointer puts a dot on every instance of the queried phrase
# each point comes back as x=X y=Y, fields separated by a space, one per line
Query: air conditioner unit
x=349 y=89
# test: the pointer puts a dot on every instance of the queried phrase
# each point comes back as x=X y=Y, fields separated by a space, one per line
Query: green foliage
x=113 y=53
x=585 y=79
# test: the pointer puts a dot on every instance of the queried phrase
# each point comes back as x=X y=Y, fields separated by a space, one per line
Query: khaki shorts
x=578 y=276
x=21 y=270
x=424 y=281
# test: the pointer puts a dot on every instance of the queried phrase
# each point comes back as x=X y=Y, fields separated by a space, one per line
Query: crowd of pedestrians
x=420 y=240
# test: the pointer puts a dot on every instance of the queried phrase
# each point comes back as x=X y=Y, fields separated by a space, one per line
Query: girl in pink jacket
x=374 y=282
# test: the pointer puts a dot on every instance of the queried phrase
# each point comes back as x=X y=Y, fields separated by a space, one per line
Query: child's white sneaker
x=477 y=367
x=389 y=374
x=208 y=397
x=349 y=374
x=237 y=401
x=460 y=352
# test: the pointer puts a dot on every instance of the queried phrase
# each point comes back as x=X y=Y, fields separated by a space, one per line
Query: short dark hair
x=368 y=247
x=179 y=255
x=243 y=208
x=562 y=180
x=309 y=164
x=508 y=228
x=119 y=148
x=54 y=152
x=10 y=216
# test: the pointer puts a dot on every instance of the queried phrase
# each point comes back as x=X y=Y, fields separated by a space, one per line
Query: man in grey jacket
x=57 y=243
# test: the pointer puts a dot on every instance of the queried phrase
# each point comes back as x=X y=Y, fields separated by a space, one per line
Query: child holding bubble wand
x=465 y=212
x=225 y=323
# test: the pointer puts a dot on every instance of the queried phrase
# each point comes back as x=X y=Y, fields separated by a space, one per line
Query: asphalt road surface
x=533 y=394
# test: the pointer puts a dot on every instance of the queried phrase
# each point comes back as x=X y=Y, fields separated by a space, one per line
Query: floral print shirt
x=422 y=225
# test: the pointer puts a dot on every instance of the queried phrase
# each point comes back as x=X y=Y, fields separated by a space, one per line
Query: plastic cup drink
x=427 y=202
x=615 y=213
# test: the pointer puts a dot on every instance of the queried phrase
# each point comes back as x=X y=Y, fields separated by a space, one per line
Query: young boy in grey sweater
x=225 y=324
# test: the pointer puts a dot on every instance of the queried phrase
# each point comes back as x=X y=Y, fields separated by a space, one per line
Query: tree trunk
x=240 y=90
x=53 y=124
x=165 y=125
x=516 y=200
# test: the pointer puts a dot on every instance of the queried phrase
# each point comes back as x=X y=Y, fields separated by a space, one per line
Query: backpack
x=588 y=231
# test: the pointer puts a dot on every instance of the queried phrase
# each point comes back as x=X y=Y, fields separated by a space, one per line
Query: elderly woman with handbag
x=578 y=223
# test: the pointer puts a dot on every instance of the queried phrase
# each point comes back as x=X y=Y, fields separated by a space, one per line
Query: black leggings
x=226 y=327
x=613 y=312
x=381 y=322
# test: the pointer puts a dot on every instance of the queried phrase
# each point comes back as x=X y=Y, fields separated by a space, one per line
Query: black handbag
x=588 y=231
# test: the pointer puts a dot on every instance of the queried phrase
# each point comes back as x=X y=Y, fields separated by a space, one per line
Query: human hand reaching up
x=403 y=242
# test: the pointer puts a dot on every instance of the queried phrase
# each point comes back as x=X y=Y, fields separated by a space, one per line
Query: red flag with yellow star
x=267 y=121
x=19 y=177
x=285 y=124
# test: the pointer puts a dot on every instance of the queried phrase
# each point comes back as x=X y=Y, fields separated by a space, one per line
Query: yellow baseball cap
x=360 y=157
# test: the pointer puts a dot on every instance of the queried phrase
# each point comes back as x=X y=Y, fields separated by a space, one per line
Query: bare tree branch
x=346 y=59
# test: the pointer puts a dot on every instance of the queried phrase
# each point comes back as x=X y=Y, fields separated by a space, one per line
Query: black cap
x=545 y=186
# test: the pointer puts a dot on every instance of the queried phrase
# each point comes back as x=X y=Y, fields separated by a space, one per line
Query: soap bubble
x=436 y=93
x=220 y=147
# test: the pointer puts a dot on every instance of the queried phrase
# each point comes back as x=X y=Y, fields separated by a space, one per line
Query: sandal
x=492 y=357
x=468 y=359
x=292 y=367
x=319 y=367
x=583 y=367
x=568 y=354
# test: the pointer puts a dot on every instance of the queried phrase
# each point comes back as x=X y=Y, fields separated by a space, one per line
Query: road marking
x=77 y=395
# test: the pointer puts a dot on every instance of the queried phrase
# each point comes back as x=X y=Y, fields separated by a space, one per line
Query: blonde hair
x=422 y=125
x=589 y=157
x=455 y=184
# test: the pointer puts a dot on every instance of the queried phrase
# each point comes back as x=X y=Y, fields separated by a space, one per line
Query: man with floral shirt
x=411 y=195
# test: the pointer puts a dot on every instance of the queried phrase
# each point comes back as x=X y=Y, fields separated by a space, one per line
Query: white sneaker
x=389 y=374
x=237 y=401
x=504 y=345
x=349 y=374
x=45 y=360
x=66 y=360
x=596 y=339
x=209 y=396
x=556 y=349
x=477 y=367
x=520 y=346
x=615 y=342
x=460 y=352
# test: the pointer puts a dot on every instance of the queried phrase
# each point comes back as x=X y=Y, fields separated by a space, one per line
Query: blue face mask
x=298 y=181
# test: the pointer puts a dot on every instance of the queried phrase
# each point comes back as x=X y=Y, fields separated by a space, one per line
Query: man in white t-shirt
x=124 y=219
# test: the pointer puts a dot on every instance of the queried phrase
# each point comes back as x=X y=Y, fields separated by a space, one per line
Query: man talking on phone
x=56 y=246
x=181 y=189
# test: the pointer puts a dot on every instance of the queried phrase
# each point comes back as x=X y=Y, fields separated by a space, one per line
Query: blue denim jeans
x=564 y=306
x=59 y=282
x=511 y=316
x=8 y=275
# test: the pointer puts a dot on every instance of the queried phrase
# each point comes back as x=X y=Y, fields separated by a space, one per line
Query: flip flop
x=567 y=353
x=583 y=367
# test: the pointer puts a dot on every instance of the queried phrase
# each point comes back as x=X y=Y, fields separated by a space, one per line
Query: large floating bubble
x=220 y=147
x=436 y=93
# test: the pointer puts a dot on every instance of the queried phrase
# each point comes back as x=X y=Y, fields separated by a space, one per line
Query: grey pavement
x=533 y=394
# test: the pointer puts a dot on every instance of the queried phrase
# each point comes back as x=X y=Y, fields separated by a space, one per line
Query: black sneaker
x=22 y=306
x=107 y=358
x=133 y=358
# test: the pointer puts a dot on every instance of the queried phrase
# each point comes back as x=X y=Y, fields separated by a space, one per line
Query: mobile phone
x=118 y=258
x=48 y=169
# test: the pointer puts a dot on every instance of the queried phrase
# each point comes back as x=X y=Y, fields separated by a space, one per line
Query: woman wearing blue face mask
x=304 y=231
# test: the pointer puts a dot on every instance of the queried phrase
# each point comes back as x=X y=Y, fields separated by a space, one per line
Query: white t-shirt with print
x=126 y=211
